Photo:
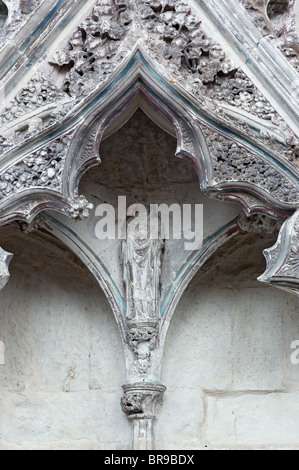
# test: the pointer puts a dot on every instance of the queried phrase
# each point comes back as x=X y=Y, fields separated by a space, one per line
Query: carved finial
x=283 y=258
x=5 y=259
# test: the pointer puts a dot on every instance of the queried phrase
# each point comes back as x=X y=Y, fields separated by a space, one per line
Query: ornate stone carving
x=5 y=259
x=42 y=169
x=283 y=258
x=142 y=257
x=142 y=270
x=36 y=104
x=142 y=340
x=173 y=34
x=141 y=403
x=79 y=208
x=233 y=162
x=163 y=50
x=258 y=223
x=92 y=51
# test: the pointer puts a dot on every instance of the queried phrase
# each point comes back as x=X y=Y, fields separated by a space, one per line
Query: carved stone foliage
x=38 y=105
x=93 y=50
x=233 y=162
x=184 y=43
x=183 y=48
x=42 y=169
x=79 y=208
x=176 y=38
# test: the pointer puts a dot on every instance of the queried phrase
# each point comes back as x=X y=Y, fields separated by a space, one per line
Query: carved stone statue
x=142 y=271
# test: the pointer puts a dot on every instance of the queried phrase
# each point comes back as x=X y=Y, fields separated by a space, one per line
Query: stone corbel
x=140 y=403
x=283 y=258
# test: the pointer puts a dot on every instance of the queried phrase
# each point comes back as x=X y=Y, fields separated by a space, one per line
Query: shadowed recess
x=3 y=14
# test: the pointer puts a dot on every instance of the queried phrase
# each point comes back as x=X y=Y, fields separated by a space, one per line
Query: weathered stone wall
x=227 y=363
x=232 y=382
x=61 y=384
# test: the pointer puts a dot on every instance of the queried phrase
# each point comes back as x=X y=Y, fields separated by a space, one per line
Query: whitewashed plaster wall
x=227 y=361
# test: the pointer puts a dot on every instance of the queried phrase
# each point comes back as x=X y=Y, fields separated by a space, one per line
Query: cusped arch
x=228 y=163
x=231 y=165
x=201 y=136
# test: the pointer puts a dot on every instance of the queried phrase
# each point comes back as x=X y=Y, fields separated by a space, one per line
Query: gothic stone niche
x=139 y=163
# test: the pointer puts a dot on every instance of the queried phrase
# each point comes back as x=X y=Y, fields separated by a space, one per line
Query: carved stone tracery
x=43 y=168
x=172 y=30
x=233 y=162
